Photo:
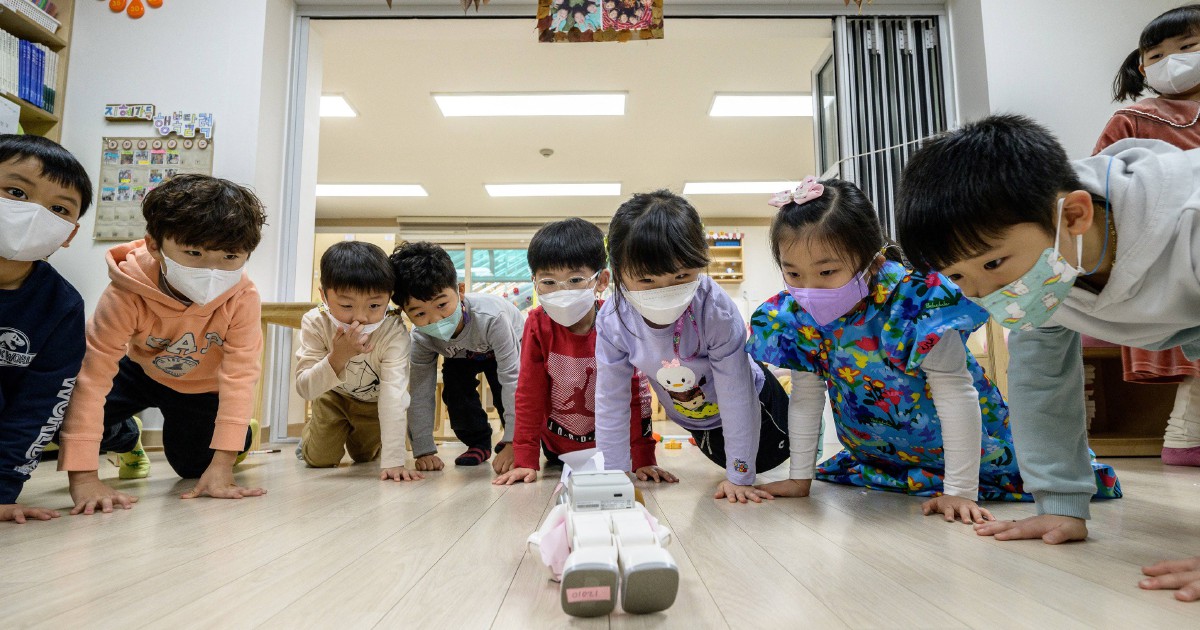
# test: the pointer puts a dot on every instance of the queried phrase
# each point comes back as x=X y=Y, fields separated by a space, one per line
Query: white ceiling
x=387 y=69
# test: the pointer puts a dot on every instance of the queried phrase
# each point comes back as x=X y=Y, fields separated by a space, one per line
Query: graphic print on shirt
x=176 y=361
x=362 y=381
x=686 y=394
x=14 y=348
x=572 y=396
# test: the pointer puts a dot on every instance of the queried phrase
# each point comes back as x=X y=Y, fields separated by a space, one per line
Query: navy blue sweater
x=41 y=350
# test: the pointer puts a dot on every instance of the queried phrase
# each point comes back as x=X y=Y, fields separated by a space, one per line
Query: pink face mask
x=826 y=305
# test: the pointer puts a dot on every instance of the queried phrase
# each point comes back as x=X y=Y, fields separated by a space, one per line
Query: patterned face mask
x=1029 y=301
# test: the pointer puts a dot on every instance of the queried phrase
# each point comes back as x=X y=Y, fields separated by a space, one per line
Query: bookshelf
x=725 y=257
x=1129 y=418
x=35 y=120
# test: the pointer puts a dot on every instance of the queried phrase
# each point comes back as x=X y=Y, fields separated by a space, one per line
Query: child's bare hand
x=953 y=508
x=740 y=494
x=659 y=475
x=526 y=475
x=217 y=481
x=18 y=513
x=1051 y=528
x=348 y=342
x=1183 y=576
x=503 y=461
x=89 y=493
x=787 y=487
x=429 y=462
x=399 y=473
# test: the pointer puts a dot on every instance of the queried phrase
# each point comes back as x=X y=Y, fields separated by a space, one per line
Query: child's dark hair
x=58 y=165
x=357 y=266
x=203 y=211
x=966 y=187
x=653 y=234
x=842 y=217
x=567 y=244
x=1178 y=22
x=422 y=270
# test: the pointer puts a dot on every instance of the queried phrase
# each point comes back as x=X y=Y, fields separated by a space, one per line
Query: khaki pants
x=340 y=425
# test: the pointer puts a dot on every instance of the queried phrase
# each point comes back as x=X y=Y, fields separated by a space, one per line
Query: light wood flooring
x=336 y=548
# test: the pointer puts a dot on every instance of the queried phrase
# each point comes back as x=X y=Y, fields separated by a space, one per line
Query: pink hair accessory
x=808 y=190
x=673 y=363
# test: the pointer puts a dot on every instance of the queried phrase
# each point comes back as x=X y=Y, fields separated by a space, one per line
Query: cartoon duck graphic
x=686 y=394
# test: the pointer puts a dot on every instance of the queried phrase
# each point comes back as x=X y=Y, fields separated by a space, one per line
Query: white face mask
x=366 y=328
x=568 y=306
x=662 y=306
x=1176 y=74
x=201 y=285
x=30 y=232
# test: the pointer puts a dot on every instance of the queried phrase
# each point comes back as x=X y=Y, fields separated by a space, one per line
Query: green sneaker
x=134 y=464
x=254 y=429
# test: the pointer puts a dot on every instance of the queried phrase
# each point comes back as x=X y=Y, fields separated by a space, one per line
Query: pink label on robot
x=592 y=594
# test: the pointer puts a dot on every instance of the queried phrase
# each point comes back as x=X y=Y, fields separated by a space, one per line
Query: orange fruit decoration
x=136 y=9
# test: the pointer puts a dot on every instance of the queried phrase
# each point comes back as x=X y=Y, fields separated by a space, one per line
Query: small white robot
x=600 y=542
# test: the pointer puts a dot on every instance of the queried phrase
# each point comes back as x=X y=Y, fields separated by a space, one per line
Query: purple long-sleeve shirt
x=717 y=387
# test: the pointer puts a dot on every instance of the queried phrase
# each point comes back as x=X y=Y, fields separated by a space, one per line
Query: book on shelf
x=28 y=71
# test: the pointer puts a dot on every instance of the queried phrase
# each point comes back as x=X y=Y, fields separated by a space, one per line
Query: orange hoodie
x=190 y=349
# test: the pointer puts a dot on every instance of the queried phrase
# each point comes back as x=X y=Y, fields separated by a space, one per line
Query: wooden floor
x=338 y=548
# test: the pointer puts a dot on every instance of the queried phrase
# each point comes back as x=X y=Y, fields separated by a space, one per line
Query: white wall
x=228 y=57
x=1054 y=61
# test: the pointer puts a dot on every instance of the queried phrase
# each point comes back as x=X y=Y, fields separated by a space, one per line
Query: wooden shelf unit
x=725 y=262
x=35 y=120
x=1130 y=417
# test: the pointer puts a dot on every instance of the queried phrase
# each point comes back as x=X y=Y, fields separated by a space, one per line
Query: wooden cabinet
x=725 y=258
x=35 y=120
x=1129 y=418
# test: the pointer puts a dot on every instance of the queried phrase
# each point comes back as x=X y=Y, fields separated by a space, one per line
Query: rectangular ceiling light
x=761 y=105
x=553 y=190
x=737 y=188
x=371 y=190
x=596 y=104
x=335 y=106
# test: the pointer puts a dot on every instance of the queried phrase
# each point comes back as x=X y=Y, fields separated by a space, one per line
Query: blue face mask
x=444 y=328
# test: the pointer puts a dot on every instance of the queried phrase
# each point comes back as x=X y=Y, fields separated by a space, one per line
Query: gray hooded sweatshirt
x=1151 y=300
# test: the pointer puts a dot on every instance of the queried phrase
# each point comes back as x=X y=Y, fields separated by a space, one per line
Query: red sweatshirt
x=556 y=395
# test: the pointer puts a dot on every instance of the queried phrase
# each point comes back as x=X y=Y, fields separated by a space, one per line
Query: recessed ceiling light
x=596 y=104
x=335 y=106
x=761 y=105
x=371 y=190
x=553 y=190
x=736 y=188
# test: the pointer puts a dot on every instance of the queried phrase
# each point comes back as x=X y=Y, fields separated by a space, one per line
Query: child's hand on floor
x=399 y=473
x=89 y=493
x=953 y=508
x=659 y=475
x=429 y=462
x=1183 y=575
x=17 y=512
x=217 y=480
x=526 y=475
x=740 y=494
x=1051 y=528
x=503 y=461
x=787 y=487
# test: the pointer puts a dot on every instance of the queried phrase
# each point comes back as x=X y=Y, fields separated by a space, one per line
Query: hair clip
x=808 y=190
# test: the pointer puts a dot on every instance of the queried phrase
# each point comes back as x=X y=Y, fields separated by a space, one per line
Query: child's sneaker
x=254 y=428
x=134 y=464
x=473 y=457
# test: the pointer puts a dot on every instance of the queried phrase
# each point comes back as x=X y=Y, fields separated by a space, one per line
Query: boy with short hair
x=353 y=364
x=178 y=328
x=44 y=191
x=1105 y=246
x=556 y=393
x=474 y=333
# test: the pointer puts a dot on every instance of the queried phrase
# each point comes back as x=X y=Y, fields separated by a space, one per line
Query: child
x=556 y=392
x=353 y=364
x=1167 y=62
x=910 y=403
x=474 y=333
x=685 y=332
x=178 y=329
x=44 y=191
x=995 y=206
